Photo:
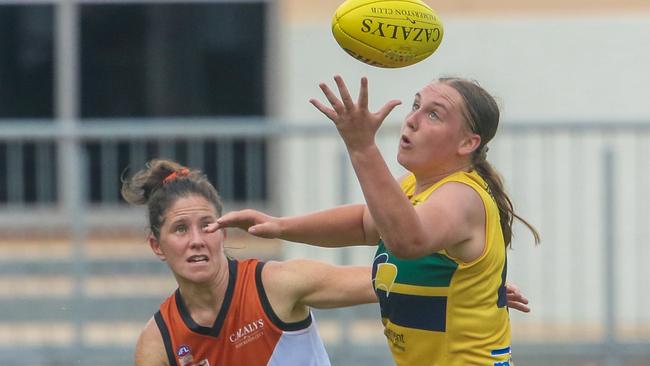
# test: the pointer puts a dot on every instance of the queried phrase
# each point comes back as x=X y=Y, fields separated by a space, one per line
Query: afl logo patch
x=183 y=350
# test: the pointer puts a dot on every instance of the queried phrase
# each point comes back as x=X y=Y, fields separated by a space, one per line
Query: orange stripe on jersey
x=245 y=332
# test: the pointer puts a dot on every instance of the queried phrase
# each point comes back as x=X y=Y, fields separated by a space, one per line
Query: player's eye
x=415 y=107
x=433 y=115
x=181 y=229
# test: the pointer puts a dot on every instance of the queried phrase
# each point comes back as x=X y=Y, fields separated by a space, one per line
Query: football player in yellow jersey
x=441 y=231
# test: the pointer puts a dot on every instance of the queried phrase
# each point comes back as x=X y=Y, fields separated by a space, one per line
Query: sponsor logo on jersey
x=398 y=340
x=247 y=333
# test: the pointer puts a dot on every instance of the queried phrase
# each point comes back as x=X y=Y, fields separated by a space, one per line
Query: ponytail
x=497 y=191
x=481 y=113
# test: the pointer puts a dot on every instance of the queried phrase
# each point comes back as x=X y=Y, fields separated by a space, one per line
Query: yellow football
x=387 y=33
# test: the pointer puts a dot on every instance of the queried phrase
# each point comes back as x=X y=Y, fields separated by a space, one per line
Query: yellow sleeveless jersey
x=439 y=311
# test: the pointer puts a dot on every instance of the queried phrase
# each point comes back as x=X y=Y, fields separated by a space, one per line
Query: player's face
x=191 y=253
x=434 y=131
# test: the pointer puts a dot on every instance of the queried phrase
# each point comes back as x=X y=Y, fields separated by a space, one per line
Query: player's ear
x=469 y=143
x=154 y=244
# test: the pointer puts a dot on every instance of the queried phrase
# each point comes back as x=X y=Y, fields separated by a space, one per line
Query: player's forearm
x=394 y=216
x=337 y=227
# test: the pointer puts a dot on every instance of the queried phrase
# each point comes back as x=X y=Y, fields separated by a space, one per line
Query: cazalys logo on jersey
x=185 y=358
x=247 y=333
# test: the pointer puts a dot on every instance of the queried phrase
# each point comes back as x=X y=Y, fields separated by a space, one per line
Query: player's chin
x=412 y=163
x=197 y=274
x=403 y=157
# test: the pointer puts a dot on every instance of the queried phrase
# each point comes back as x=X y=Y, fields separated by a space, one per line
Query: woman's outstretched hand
x=516 y=300
x=355 y=123
x=252 y=221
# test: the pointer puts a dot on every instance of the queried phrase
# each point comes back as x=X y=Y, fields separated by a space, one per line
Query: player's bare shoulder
x=150 y=349
x=285 y=283
x=283 y=276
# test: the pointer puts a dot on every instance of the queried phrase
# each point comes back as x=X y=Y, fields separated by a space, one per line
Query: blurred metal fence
x=585 y=186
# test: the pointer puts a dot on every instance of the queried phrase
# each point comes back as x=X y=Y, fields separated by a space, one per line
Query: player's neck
x=424 y=181
x=203 y=301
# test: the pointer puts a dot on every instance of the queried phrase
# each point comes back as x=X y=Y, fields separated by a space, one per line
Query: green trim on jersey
x=419 y=271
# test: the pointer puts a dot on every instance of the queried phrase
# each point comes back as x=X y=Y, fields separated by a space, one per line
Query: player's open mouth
x=197 y=258
x=405 y=140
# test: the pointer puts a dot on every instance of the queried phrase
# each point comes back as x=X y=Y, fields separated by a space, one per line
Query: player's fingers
x=518 y=297
x=331 y=97
x=211 y=228
x=345 y=94
x=511 y=287
x=513 y=294
x=222 y=223
x=516 y=300
x=264 y=230
x=329 y=112
x=363 y=93
x=522 y=299
x=235 y=219
x=387 y=108
x=519 y=306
